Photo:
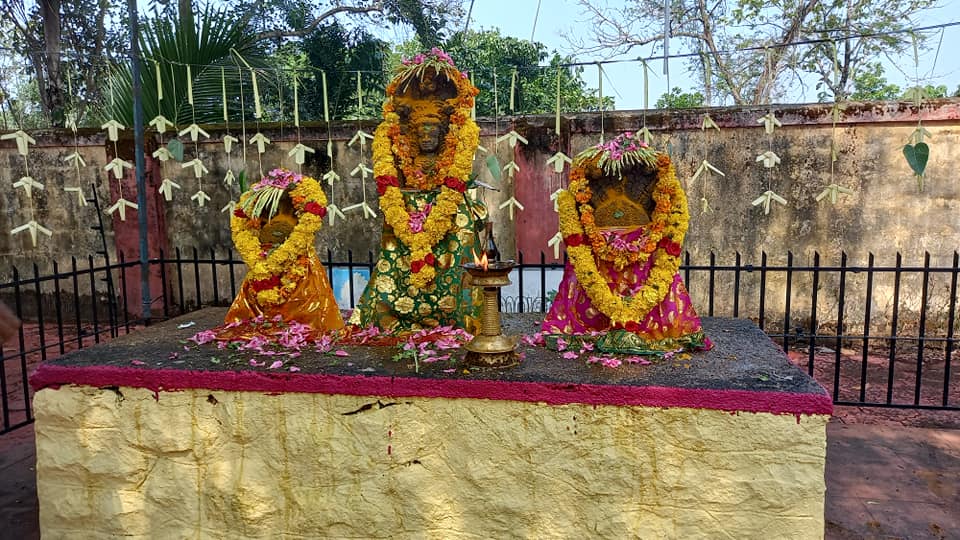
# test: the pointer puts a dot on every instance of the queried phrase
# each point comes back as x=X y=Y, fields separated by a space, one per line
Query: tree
x=60 y=39
x=341 y=53
x=678 y=99
x=745 y=50
x=927 y=91
x=284 y=19
x=485 y=53
x=870 y=84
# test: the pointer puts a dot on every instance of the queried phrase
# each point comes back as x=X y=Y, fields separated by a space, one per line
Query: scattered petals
x=203 y=337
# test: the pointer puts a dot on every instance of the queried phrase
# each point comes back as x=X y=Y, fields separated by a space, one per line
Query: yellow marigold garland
x=671 y=212
x=274 y=274
x=394 y=156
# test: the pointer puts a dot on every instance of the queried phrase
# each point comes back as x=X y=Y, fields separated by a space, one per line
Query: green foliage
x=870 y=84
x=341 y=53
x=289 y=18
x=218 y=41
x=927 y=91
x=678 y=99
x=72 y=45
x=487 y=53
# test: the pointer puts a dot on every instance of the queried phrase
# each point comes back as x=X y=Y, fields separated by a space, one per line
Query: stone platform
x=141 y=438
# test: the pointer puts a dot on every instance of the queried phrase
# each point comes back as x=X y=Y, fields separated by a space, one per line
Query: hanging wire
x=672 y=56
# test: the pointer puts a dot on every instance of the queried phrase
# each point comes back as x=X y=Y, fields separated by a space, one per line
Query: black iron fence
x=873 y=335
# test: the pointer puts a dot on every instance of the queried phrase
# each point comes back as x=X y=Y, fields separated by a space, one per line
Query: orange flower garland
x=640 y=249
x=395 y=156
x=584 y=241
x=274 y=273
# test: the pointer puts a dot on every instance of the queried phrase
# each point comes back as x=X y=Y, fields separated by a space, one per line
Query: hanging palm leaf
x=219 y=39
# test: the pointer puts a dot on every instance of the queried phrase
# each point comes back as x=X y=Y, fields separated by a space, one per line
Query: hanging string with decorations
x=74 y=159
x=243 y=124
x=27 y=182
x=161 y=123
x=558 y=162
x=600 y=97
x=644 y=132
x=359 y=138
x=258 y=138
x=706 y=168
x=769 y=158
x=480 y=148
x=917 y=151
x=834 y=190
x=228 y=141
x=299 y=151
x=117 y=165
x=511 y=138
x=195 y=131
x=331 y=176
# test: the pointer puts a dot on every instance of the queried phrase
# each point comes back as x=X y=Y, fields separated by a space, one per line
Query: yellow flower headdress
x=663 y=241
x=394 y=159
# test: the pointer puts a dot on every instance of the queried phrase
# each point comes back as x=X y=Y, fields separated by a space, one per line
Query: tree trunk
x=52 y=94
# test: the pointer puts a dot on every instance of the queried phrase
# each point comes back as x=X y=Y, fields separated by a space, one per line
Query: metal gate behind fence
x=895 y=355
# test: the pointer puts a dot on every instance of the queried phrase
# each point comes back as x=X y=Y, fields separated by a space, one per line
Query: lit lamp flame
x=481 y=261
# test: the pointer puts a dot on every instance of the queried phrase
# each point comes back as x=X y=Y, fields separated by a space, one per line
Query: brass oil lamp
x=490 y=348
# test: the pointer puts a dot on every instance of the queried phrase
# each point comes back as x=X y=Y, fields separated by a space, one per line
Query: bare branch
x=375 y=7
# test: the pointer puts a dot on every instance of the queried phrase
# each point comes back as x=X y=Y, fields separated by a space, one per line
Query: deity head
x=623 y=200
x=269 y=202
x=424 y=110
x=427 y=96
x=276 y=229
x=622 y=174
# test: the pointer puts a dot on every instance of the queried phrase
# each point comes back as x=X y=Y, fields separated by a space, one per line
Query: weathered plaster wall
x=202 y=463
x=886 y=214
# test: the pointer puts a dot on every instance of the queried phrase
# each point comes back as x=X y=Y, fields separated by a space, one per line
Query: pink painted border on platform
x=553 y=393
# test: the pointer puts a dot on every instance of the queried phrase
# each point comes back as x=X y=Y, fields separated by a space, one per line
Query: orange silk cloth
x=311 y=302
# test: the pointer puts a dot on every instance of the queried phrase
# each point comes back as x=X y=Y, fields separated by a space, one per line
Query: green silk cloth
x=393 y=305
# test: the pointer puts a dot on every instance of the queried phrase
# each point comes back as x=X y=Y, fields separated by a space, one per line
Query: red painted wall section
x=538 y=222
x=126 y=234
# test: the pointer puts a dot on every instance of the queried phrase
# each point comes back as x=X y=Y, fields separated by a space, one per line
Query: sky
x=624 y=81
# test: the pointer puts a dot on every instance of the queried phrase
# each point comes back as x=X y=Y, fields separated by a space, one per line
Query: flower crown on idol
x=621 y=152
x=265 y=195
x=429 y=65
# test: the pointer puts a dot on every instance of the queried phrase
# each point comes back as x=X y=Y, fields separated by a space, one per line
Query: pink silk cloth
x=672 y=324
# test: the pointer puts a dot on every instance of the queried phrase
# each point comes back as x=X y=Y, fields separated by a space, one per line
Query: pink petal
x=341 y=352
x=276 y=364
x=294 y=368
x=138 y=363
